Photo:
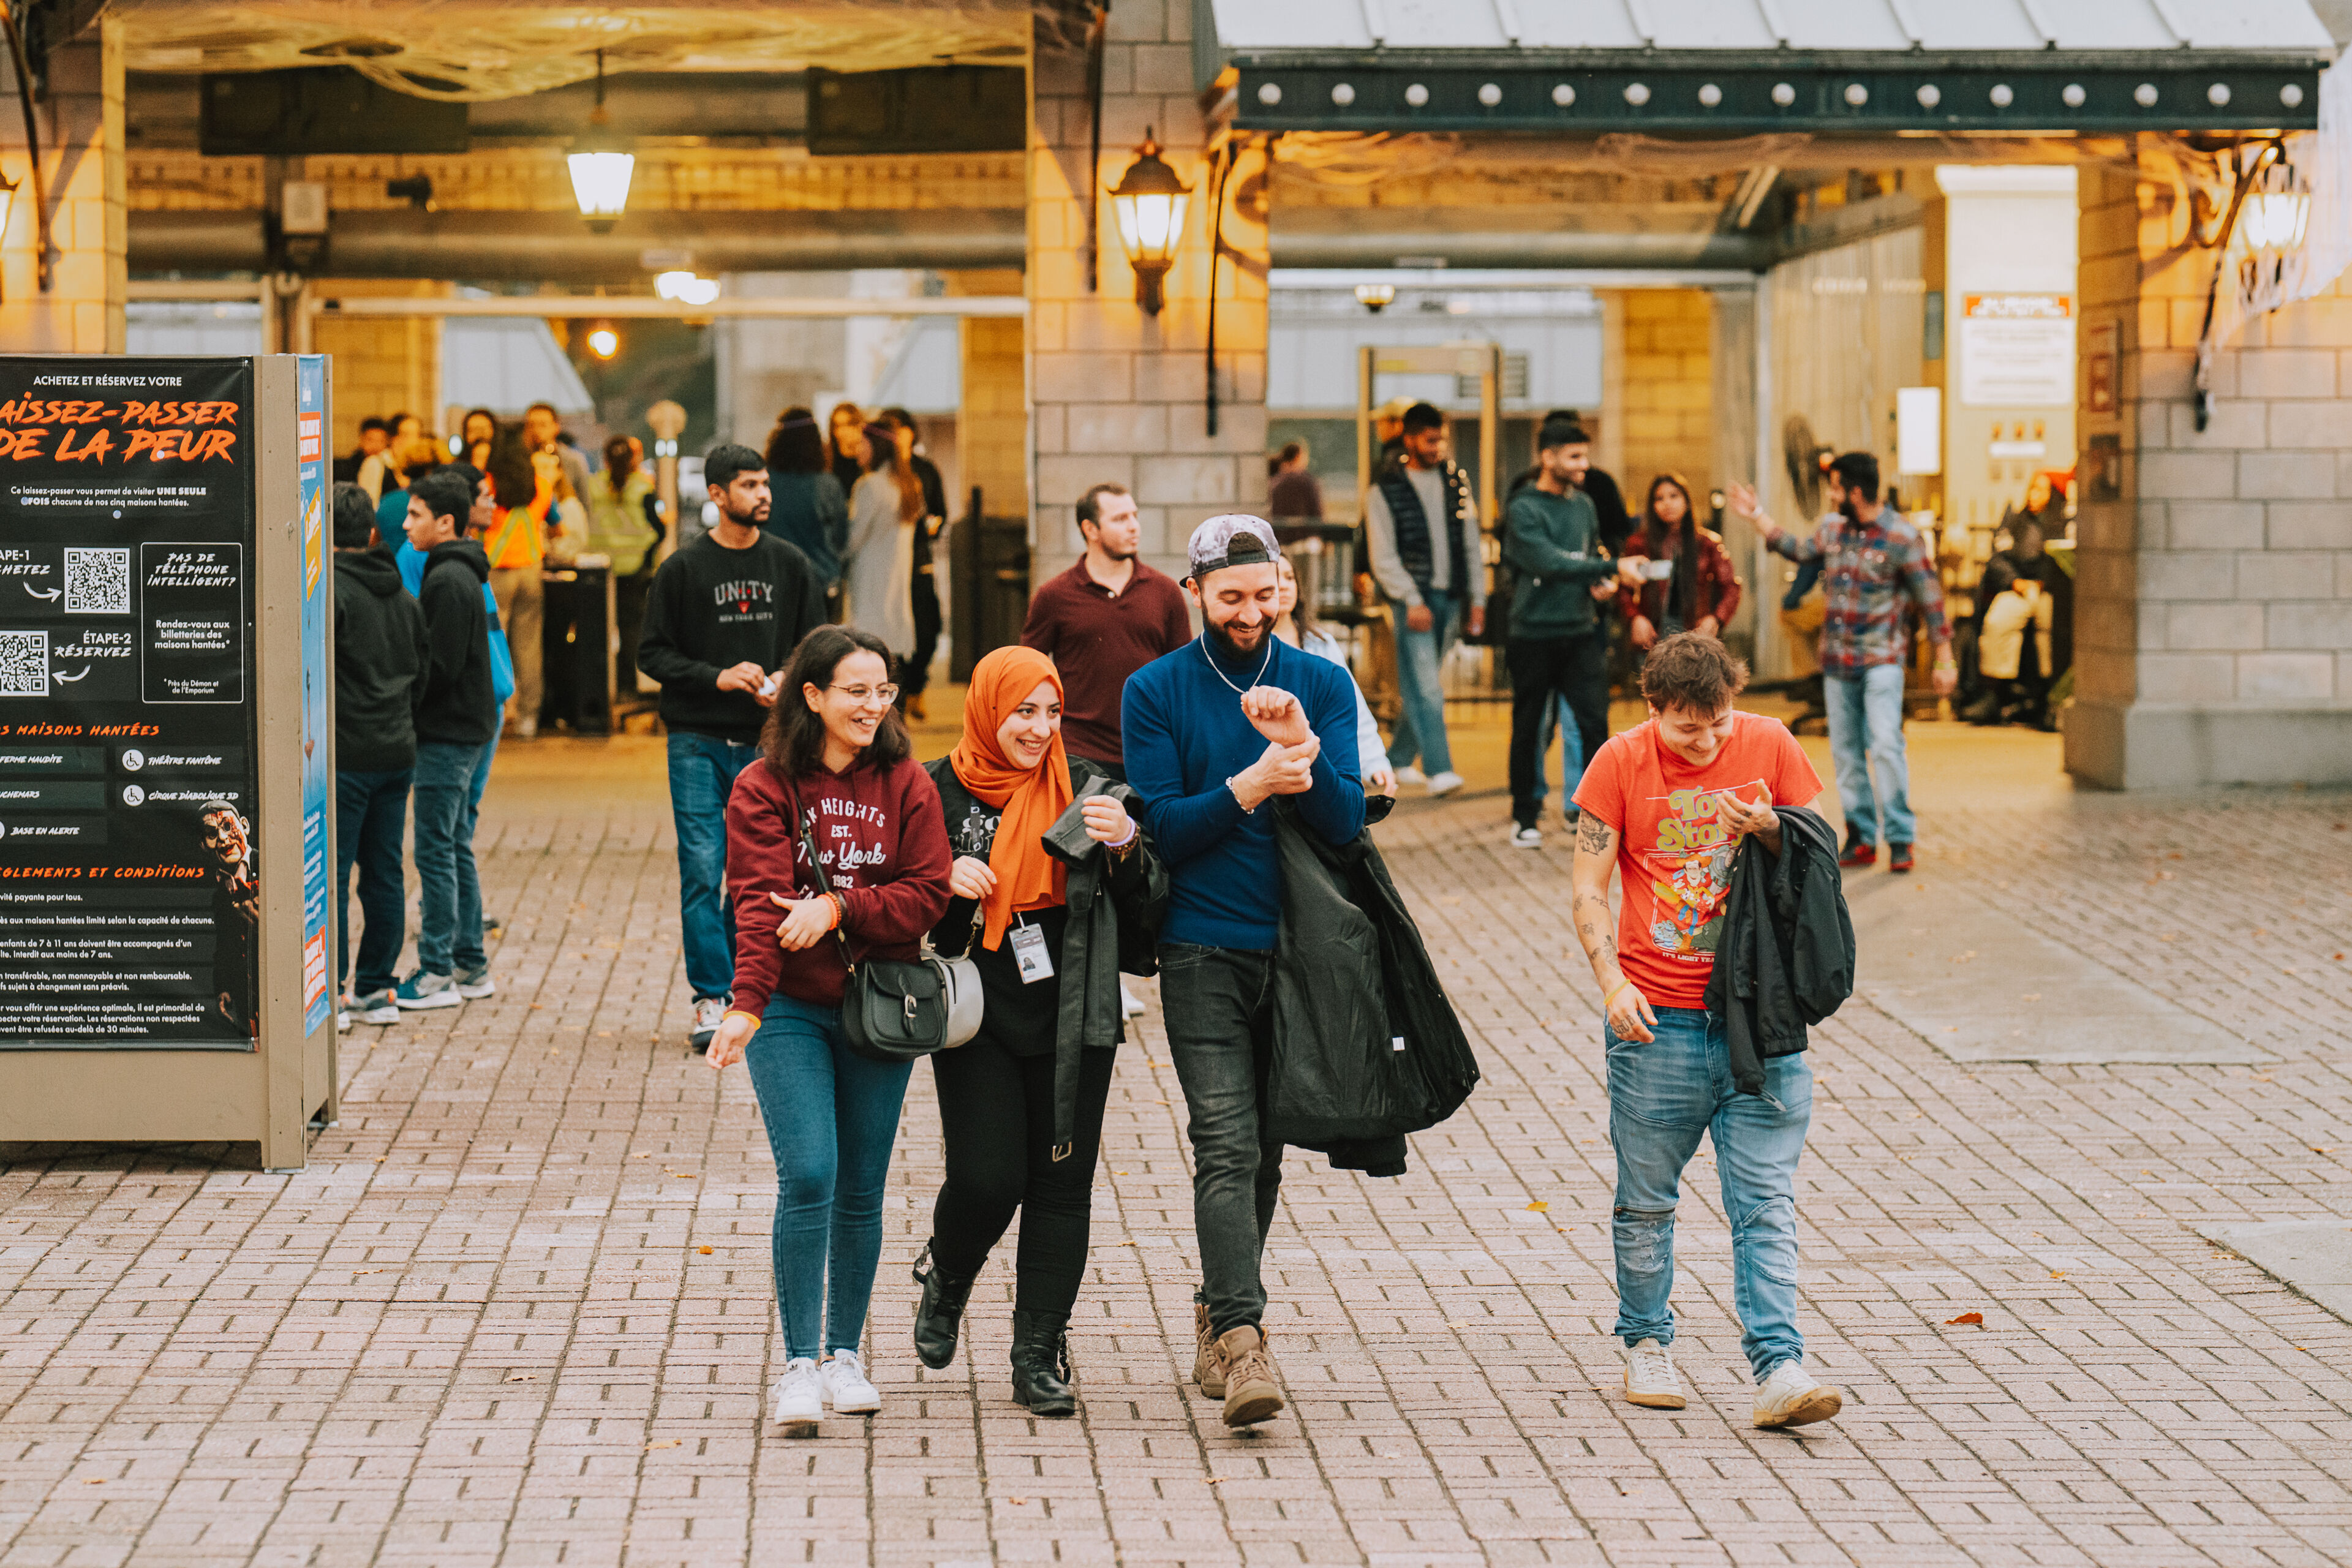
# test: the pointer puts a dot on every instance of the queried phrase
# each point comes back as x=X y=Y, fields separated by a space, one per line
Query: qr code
x=24 y=664
x=98 y=582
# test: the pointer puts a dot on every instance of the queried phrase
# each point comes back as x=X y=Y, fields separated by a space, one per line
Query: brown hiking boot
x=1206 y=1372
x=1252 y=1395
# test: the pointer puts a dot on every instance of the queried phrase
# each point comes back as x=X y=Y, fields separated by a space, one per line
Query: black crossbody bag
x=892 y=1010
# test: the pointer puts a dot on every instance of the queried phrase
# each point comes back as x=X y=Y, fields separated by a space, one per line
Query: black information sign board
x=130 y=900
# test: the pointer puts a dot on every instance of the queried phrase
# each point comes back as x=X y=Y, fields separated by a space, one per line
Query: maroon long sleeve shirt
x=885 y=848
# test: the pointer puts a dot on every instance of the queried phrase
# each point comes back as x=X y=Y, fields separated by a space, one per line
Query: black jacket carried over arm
x=1366 y=1045
x=1114 y=904
x=1785 y=959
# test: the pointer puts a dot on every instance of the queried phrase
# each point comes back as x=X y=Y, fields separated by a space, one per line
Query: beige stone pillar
x=1116 y=394
x=2213 y=601
x=79 y=120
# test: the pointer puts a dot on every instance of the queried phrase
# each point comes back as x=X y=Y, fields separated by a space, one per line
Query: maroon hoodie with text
x=885 y=846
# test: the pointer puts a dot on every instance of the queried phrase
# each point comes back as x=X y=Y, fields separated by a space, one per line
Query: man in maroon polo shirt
x=1101 y=621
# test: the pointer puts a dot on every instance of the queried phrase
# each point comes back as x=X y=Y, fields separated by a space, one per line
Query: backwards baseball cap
x=1230 y=539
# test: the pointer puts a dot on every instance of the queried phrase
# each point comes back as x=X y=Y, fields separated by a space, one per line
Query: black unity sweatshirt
x=380 y=656
x=455 y=704
x=712 y=607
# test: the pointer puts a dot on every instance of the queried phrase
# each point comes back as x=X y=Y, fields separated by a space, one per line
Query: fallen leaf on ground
x=523 y=1377
x=357 y=1272
x=683 y=1175
x=1216 y=1481
x=93 y=1480
x=1540 y=1206
x=2057 y=1274
x=704 y=1250
x=662 y=1442
x=2322 y=1148
x=1965 y=1317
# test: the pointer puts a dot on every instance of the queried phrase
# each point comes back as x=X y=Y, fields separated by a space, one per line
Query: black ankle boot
x=940 y=1317
x=1040 y=1363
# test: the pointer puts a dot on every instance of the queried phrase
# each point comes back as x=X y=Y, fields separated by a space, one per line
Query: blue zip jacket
x=1185 y=735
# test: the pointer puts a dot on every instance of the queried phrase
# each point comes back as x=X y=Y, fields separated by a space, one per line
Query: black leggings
x=996 y=1110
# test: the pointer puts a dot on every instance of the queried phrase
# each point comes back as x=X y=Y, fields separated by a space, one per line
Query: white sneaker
x=1410 y=775
x=845 y=1388
x=343 y=1021
x=797 y=1401
x=1131 y=1006
x=709 y=1014
x=1790 y=1397
x=1651 y=1378
x=1526 y=838
x=1446 y=783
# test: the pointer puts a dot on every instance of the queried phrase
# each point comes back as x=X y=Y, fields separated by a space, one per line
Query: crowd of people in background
x=832 y=524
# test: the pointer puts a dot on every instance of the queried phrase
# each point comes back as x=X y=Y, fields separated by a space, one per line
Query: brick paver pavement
x=517 y=1309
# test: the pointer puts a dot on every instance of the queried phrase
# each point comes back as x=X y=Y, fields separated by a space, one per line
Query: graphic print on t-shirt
x=1689 y=868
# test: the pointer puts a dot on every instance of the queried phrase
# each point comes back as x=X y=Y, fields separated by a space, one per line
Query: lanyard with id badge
x=1029 y=952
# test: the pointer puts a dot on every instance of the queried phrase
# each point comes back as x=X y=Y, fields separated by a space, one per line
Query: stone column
x=79 y=117
x=1116 y=394
x=2213 y=600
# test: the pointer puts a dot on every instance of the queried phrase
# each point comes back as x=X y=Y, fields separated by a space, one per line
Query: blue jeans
x=1561 y=719
x=1662 y=1097
x=449 y=935
x=371 y=817
x=1421 y=686
x=830 y=1119
x=702 y=770
x=1867 y=739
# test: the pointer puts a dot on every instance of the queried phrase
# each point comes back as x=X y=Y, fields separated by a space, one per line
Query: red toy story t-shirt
x=1674 y=851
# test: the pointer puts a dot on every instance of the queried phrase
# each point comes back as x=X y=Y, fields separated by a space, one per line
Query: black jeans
x=916 y=674
x=996 y=1110
x=1218 y=1003
x=1577 y=668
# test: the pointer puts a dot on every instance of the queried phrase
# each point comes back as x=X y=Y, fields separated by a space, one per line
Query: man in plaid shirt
x=1873 y=559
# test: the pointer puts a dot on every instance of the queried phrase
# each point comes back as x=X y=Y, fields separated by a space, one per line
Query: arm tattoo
x=1593 y=835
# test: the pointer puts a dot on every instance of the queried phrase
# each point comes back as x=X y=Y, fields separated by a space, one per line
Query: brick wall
x=2214 y=607
x=381 y=365
x=81 y=125
x=1115 y=393
x=1666 y=414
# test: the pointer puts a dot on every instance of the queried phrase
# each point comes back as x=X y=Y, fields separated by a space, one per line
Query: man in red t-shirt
x=1666 y=805
x=1101 y=621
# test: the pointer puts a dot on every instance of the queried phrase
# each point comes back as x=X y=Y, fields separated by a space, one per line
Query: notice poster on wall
x=2017 y=350
x=129 y=895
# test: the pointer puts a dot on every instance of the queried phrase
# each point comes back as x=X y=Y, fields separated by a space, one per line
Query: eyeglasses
x=863 y=695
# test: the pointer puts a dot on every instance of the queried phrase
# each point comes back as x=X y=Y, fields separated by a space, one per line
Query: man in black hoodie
x=721 y=621
x=380 y=656
x=457 y=716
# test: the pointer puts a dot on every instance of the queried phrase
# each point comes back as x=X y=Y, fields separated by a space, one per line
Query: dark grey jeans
x=1218 y=1003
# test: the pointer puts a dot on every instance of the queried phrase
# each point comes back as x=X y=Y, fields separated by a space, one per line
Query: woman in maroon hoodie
x=835 y=753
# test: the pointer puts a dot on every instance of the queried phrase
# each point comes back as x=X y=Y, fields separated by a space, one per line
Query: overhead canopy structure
x=1746 y=66
x=487 y=50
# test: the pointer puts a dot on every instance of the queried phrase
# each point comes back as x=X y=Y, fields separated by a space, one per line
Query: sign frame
x=271 y=1094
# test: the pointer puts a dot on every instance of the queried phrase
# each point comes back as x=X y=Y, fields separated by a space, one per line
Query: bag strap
x=816 y=866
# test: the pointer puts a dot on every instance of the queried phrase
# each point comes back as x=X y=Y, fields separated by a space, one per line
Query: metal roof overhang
x=1744 y=92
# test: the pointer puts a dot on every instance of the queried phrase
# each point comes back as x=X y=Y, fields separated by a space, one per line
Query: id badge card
x=1029 y=952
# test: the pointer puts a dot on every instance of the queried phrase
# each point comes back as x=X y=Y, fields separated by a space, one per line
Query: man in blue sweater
x=1212 y=732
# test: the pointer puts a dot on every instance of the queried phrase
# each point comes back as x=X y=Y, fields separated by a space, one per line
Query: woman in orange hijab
x=1053 y=880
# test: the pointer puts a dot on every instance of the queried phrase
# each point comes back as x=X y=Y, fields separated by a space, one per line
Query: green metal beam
x=1744 y=94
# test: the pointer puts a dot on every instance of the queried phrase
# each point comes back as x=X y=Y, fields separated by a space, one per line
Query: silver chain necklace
x=1203 y=645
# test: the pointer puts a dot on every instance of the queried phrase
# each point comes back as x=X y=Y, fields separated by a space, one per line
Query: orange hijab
x=1031 y=799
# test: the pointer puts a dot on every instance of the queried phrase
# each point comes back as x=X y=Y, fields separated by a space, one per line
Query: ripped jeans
x=1662 y=1097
